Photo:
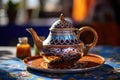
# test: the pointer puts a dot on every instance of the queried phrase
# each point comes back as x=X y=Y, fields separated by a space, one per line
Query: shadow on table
x=103 y=72
x=4 y=54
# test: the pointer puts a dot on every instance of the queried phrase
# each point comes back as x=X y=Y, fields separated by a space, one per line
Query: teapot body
x=60 y=39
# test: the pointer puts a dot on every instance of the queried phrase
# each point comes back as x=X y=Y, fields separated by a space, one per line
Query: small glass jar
x=23 y=48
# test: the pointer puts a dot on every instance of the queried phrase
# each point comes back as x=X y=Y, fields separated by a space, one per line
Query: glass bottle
x=36 y=50
x=23 y=48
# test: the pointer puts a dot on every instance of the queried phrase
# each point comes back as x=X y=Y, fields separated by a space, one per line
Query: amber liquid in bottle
x=23 y=49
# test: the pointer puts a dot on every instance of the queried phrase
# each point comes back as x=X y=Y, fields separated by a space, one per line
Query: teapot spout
x=38 y=42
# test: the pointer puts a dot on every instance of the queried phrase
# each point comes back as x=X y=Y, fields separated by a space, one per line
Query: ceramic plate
x=38 y=63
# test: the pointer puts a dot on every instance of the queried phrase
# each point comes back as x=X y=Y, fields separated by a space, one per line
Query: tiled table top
x=12 y=68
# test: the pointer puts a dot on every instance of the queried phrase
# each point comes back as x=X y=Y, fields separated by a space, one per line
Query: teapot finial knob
x=62 y=17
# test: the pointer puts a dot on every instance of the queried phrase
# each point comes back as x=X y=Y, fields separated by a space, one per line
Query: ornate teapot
x=62 y=36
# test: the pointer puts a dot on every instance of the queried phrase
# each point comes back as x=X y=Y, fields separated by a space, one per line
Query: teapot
x=62 y=36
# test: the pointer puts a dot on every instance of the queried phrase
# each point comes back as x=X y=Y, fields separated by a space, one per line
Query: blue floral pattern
x=15 y=69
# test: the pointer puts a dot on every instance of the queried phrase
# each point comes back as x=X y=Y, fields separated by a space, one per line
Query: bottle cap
x=23 y=39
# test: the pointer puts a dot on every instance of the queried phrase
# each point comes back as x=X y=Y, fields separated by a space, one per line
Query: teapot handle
x=87 y=47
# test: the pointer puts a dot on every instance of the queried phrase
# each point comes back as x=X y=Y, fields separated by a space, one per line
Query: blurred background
x=17 y=15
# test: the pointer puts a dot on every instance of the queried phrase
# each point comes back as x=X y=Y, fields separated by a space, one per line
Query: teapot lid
x=61 y=23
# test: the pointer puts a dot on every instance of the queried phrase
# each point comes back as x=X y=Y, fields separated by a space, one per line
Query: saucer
x=38 y=63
